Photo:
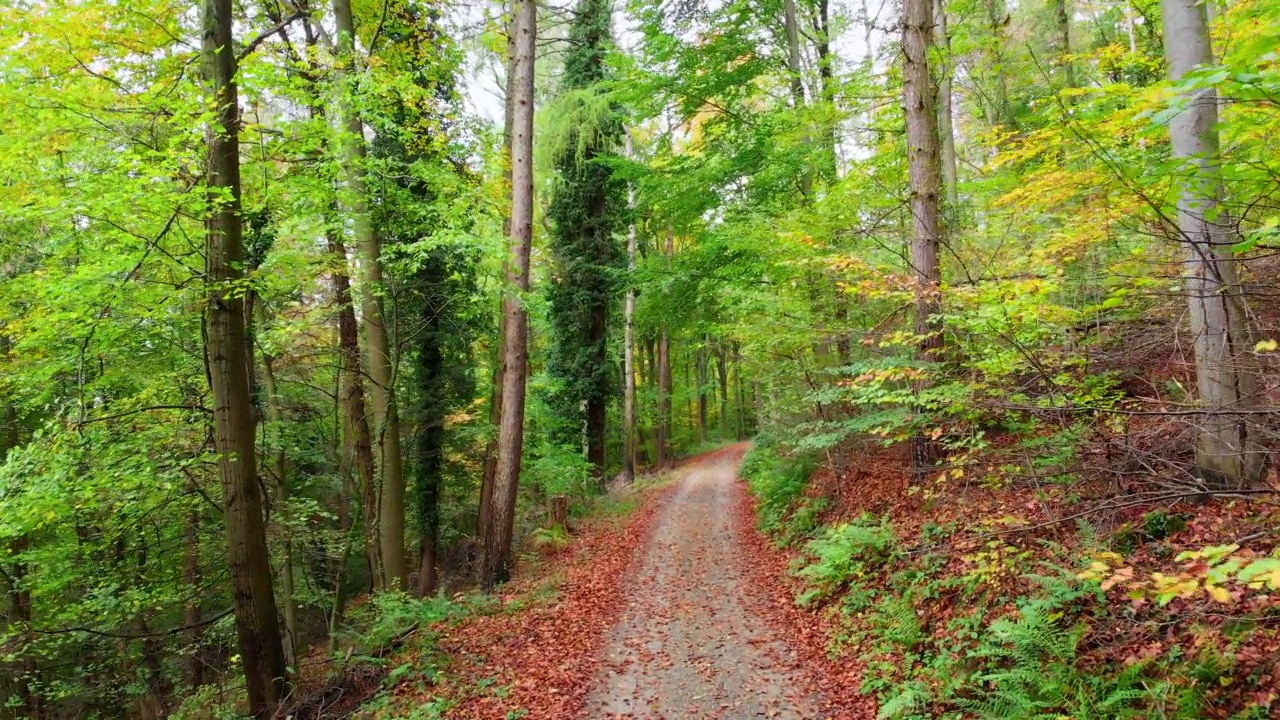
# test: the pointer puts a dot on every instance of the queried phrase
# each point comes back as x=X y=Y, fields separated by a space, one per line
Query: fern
x=843 y=553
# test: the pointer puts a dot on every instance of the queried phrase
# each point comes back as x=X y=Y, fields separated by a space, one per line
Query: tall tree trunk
x=500 y=359
x=827 y=86
x=191 y=578
x=279 y=469
x=1062 y=18
x=664 y=373
x=23 y=681
x=925 y=174
x=700 y=377
x=997 y=16
x=377 y=342
x=354 y=411
x=946 y=124
x=495 y=565
x=357 y=438
x=629 y=341
x=429 y=437
x=1228 y=454
x=792 y=26
x=257 y=625
x=722 y=365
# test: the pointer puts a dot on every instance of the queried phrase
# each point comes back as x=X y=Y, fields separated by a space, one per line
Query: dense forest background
x=295 y=345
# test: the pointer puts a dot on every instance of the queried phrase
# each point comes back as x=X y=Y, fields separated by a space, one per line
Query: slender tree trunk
x=496 y=561
x=997 y=16
x=722 y=365
x=1129 y=27
x=1062 y=17
x=430 y=439
x=792 y=26
x=257 y=625
x=629 y=342
x=191 y=579
x=664 y=374
x=700 y=376
x=377 y=341
x=925 y=175
x=355 y=414
x=279 y=469
x=500 y=361
x=23 y=681
x=827 y=87
x=1228 y=454
x=350 y=380
x=946 y=125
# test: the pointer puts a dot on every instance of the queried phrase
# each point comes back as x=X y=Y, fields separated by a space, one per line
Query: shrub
x=778 y=483
x=843 y=553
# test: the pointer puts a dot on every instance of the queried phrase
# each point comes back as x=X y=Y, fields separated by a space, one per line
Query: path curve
x=688 y=647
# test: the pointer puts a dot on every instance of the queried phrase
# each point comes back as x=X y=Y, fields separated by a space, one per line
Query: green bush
x=389 y=616
x=778 y=483
x=843 y=553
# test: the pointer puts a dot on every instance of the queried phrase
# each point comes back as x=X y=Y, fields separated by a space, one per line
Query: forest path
x=687 y=646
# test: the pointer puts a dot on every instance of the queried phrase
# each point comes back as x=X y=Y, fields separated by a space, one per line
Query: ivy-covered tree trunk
x=391 y=507
x=257 y=625
x=1228 y=453
x=584 y=210
x=495 y=562
x=925 y=176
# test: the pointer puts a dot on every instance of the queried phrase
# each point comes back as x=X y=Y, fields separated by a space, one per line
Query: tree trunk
x=722 y=365
x=377 y=342
x=792 y=26
x=827 y=86
x=1062 y=17
x=946 y=125
x=925 y=176
x=700 y=377
x=279 y=469
x=629 y=342
x=997 y=16
x=191 y=578
x=25 y=677
x=1228 y=454
x=247 y=560
x=664 y=374
x=495 y=565
x=354 y=411
x=500 y=361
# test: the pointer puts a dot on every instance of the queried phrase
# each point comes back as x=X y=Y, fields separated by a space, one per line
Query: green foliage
x=778 y=483
x=388 y=617
x=845 y=553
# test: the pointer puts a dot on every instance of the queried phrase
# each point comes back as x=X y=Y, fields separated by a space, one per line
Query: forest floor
x=678 y=610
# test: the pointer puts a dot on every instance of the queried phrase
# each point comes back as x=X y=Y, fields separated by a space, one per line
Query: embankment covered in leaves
x=977 y=595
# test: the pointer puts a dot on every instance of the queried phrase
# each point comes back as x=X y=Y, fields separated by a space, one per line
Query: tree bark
x=279 y=469
x=247 y=559
x=1062 y=17
x=925 y=176
x=946 y=124
x=1228 y=454
x=496 y=561
x=629 y=341
x=664 y=375
x=391 y=508
x=500 y=362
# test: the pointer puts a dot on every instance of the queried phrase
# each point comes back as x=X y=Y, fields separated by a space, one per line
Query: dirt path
x=688 y=646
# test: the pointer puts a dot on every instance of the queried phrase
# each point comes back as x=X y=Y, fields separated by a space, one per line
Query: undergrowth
x=998 y=632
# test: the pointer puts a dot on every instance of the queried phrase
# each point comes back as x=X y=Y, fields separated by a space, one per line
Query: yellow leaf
x=1264 y=346
x=1219 y=593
